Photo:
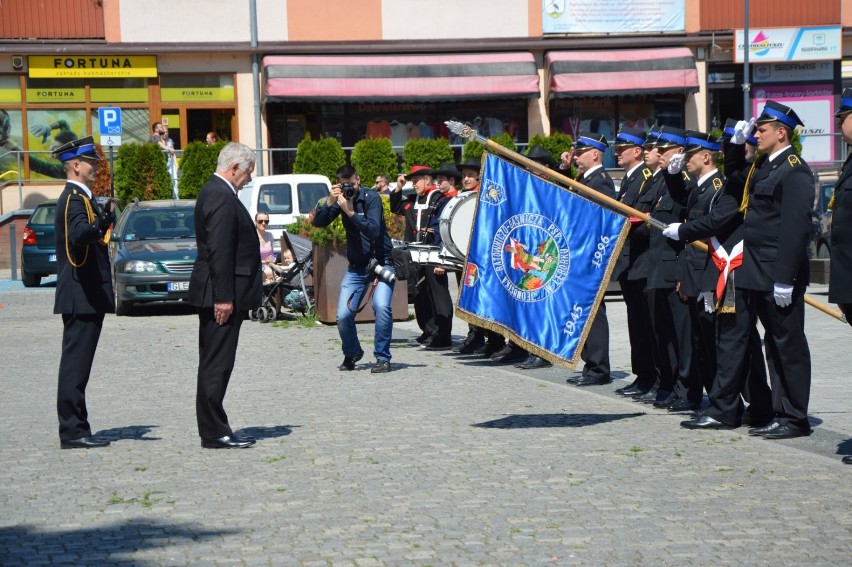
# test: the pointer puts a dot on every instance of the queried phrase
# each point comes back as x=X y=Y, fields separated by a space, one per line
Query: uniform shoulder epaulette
x=717 y=183
x=647 y=173
x=794 y=160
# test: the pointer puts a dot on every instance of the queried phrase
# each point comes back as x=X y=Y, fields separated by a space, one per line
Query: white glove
x=783 y=295
x=40 y=131
x=707 y=298
x=676 y=163
x=741 y=131
x=671 y=231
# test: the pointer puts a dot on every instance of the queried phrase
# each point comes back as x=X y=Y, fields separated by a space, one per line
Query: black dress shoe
x=349 y=361
x=620 y=391
x=593 y=380
x=227 y=442
x=632 y=391
x=705 y=422
x=758 y=431
x=83 y=443
x=648 y=397
x=438 y=345
x=516 y=354
x=847 y=460
x=381 y=367
x=754 y=421
x=471 y=347
x=423 y=338
x=665 y=402
x=683 y=404
x=508 y=348
x=489 y=348
x=532 y=362
x=785 y=432
x=574 y=379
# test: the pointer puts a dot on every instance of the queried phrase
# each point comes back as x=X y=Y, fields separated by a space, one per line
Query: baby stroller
x=288 y=288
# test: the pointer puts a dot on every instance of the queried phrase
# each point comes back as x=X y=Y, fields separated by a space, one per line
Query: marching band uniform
x=631 y=269
x=83 y=292
x=669 y=316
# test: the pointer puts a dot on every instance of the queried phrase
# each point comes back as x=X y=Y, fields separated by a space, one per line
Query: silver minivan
x=284 y=198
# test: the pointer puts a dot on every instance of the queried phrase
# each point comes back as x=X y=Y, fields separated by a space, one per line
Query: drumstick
x=469 y=133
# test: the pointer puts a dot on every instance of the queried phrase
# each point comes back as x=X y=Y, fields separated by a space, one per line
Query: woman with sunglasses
x=267 y=257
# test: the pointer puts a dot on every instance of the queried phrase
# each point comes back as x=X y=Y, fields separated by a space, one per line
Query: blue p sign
x=110 y=121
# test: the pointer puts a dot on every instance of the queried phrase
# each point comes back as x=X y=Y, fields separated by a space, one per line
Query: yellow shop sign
x=179 y=94
x=92 y=66
x=56 y=95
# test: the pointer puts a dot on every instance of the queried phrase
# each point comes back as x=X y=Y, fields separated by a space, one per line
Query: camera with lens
x=384 y=274
x=349 y=190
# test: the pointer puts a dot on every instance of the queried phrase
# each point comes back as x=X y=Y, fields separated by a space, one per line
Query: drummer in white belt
x=433 y=306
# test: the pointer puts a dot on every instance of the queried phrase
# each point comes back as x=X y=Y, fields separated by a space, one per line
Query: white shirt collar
x=778 y=153
x=634 y=168
x=589 y=172
x=707 y=176
x=85 y=189
x=226 y=181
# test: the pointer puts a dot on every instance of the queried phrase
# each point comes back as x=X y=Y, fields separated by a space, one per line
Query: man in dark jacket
x=83 y=288
x=225 y=284
x=840 y=280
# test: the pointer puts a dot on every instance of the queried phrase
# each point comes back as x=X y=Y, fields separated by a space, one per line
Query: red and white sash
x=726 y=261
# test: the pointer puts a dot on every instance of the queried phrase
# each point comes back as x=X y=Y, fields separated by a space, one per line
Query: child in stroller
x=288 y=288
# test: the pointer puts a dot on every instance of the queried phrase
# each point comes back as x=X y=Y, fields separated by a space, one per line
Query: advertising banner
x=790 y=44
x=814 y=104
x=612 y=16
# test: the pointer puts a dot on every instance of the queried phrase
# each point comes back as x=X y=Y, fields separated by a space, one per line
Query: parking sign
x=110 y=121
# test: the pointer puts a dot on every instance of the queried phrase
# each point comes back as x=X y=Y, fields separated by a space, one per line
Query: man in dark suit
x=777 y=203
x=225 y=284
x=588 y=156
x=840 y=278
x=83 y=287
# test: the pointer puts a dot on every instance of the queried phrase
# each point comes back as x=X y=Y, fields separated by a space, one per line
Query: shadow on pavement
x=555 y=420
x=262 y=432
x=107 y=545
x=133 y=432
x=845 y=448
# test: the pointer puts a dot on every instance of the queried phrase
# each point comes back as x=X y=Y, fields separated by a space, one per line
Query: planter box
x=330 y=265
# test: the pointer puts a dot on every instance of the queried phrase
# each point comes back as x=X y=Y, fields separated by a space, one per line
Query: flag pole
x=469 y=133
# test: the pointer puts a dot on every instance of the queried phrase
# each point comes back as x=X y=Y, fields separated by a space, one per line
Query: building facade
x=399 y=68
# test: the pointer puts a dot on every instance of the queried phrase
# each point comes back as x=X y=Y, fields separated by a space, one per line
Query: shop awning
x=622 y=72
x=400 y=78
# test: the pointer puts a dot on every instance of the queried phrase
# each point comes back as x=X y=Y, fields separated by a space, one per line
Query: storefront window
x=50 y=91
x=118 y=90
x=11 y=143
x=197 y=88
x=605 y=115
x=47 y=130
x=135 y=125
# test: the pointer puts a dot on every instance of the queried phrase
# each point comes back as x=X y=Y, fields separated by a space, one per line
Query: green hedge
x=372 y=157
x=141 y=173
x=324 y=156
x=426 y=151
x=474 y=149
x=197 y=164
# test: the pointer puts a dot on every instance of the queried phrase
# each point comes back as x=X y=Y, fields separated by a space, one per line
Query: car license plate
x=178 y=286
x=51 y=258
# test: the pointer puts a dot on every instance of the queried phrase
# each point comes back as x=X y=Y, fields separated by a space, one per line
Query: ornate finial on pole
x=464 y=131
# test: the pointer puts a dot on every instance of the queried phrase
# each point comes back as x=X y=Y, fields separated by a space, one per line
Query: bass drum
x=456 y=223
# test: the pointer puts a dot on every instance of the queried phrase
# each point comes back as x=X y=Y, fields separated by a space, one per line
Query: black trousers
x=640 y=332
x=217 y=351
x=439 y=304
x=670 y=321
x=698 y=366
x=740 y=368
x=80 y=337
x=788 y=356
x=595 y=351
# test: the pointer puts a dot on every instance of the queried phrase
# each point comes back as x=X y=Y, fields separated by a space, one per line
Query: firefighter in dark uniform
x=631 y=269
x=588 y=152
x=83 y=287
x=699 y=159
x=669 y=315
x=432 y=307
x=777 y=203
x=840 y=277
x=740 y=367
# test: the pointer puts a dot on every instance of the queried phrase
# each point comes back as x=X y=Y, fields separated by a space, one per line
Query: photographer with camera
x=368 y=249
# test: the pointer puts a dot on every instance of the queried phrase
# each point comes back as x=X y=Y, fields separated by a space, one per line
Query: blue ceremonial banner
x=539 y=262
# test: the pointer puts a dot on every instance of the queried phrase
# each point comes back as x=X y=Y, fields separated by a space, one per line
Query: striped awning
x=400 y=78
x=621 y=72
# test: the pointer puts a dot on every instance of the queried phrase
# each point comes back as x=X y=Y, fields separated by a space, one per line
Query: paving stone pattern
x=444 y=461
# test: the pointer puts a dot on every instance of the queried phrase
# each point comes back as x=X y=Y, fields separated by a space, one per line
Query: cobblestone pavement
x=444 y=461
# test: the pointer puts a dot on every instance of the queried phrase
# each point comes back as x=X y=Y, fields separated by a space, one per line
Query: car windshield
x=161 y=224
